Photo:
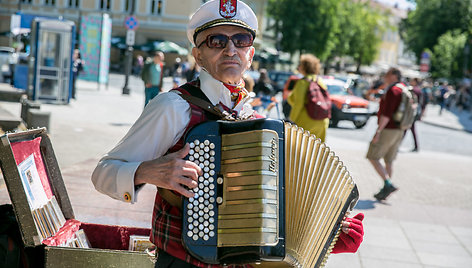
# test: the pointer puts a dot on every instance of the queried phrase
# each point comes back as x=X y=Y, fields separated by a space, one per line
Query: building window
x=26 y=1
x=129 y=5
x=74 y=3
x=50 y=2
x=156 y=7
x=105 y=4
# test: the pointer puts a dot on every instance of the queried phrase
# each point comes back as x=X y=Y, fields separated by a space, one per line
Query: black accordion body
x=270 y=192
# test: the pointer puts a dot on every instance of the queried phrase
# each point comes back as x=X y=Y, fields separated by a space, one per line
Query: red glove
x=351 y=235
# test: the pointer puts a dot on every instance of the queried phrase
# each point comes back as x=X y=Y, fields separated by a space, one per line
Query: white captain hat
x=221 y=12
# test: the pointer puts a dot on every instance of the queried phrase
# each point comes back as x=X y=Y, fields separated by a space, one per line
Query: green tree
x=366 y=27
x=433 y=18
x=306 y=25
x=329 y=28
x=447 y=58
x=343 y=37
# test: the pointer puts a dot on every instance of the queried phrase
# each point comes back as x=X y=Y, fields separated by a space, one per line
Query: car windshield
x=337 y=90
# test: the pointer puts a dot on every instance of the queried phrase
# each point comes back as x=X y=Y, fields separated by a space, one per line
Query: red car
x=346 y=106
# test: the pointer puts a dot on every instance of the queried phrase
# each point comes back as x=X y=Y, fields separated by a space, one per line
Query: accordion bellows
x=271 y=193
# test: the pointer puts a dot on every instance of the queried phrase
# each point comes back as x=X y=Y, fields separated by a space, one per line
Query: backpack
x=407 y=111
x=318 y=103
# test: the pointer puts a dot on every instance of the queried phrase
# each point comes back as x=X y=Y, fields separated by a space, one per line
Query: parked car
x=278 y=79
x=346 y=106
x=355 y=84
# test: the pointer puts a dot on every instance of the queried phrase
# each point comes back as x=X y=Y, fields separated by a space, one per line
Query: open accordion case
x=45 y=216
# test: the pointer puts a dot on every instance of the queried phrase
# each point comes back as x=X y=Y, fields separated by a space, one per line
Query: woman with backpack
x=304 y=111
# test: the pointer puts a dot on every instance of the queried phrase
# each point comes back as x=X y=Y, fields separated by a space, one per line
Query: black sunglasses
x=221 y=40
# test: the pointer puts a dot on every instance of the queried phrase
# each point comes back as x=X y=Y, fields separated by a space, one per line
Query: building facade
x=392 y=50
x=158 y=19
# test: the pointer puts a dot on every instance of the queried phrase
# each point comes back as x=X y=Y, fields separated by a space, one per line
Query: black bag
x=286 y=108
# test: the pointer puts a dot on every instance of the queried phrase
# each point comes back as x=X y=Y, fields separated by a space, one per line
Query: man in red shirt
x=388 y=136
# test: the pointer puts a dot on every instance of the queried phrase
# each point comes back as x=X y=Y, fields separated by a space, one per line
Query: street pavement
x=427 y=223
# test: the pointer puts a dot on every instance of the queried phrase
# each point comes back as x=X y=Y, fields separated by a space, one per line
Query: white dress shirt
x=160 y=126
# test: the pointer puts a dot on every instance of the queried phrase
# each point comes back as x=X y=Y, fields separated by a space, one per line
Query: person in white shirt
x=153 y=152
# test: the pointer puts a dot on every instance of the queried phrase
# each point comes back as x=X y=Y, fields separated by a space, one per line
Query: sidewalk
x=452 y=119
x=426 y=224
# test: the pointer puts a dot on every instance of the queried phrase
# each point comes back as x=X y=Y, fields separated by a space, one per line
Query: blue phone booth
x=50 y=75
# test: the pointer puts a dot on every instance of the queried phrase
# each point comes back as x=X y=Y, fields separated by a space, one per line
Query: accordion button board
x=201 y=208
x=237 y=203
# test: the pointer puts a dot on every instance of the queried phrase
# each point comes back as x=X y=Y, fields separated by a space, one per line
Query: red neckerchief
x=238 y=92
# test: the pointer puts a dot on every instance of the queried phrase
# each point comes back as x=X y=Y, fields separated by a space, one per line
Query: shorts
x=387 y=145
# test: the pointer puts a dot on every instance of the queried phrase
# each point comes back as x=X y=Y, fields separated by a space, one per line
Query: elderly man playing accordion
x=153 y=150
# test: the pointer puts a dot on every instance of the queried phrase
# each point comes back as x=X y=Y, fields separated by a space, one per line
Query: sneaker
x=385 y=192
x=380 y=195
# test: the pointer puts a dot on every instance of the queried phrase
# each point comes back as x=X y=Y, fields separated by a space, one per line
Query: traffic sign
x=131 y=23
x=130 y=37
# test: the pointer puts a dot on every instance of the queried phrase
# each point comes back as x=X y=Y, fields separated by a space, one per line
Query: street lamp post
x=129 y=53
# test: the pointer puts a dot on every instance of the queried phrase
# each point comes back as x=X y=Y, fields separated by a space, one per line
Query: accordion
x=270 y=192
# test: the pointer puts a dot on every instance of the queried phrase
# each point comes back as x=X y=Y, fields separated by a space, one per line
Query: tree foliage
x=366 y=26
x=447 y=60
x=306 y=25
x=433 y=18
x=328 y=28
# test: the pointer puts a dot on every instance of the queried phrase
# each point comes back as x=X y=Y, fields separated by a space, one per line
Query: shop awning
x=164 y=46
x=118 y=42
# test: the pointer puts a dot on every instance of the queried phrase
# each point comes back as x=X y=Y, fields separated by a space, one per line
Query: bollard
x=26 y=105
x=37 y=118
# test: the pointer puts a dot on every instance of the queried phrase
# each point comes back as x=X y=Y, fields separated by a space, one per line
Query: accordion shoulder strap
x=171 y=198
x=199 y=99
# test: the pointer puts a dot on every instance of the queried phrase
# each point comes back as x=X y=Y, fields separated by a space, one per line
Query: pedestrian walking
x=152 y=75
x=138 y=65
x=193 y=73
x=264 y=92
x=153 y=150
x=443 y=96
x=309 y=67
x=177 y=73
x=388 y=136
x=77 y=67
